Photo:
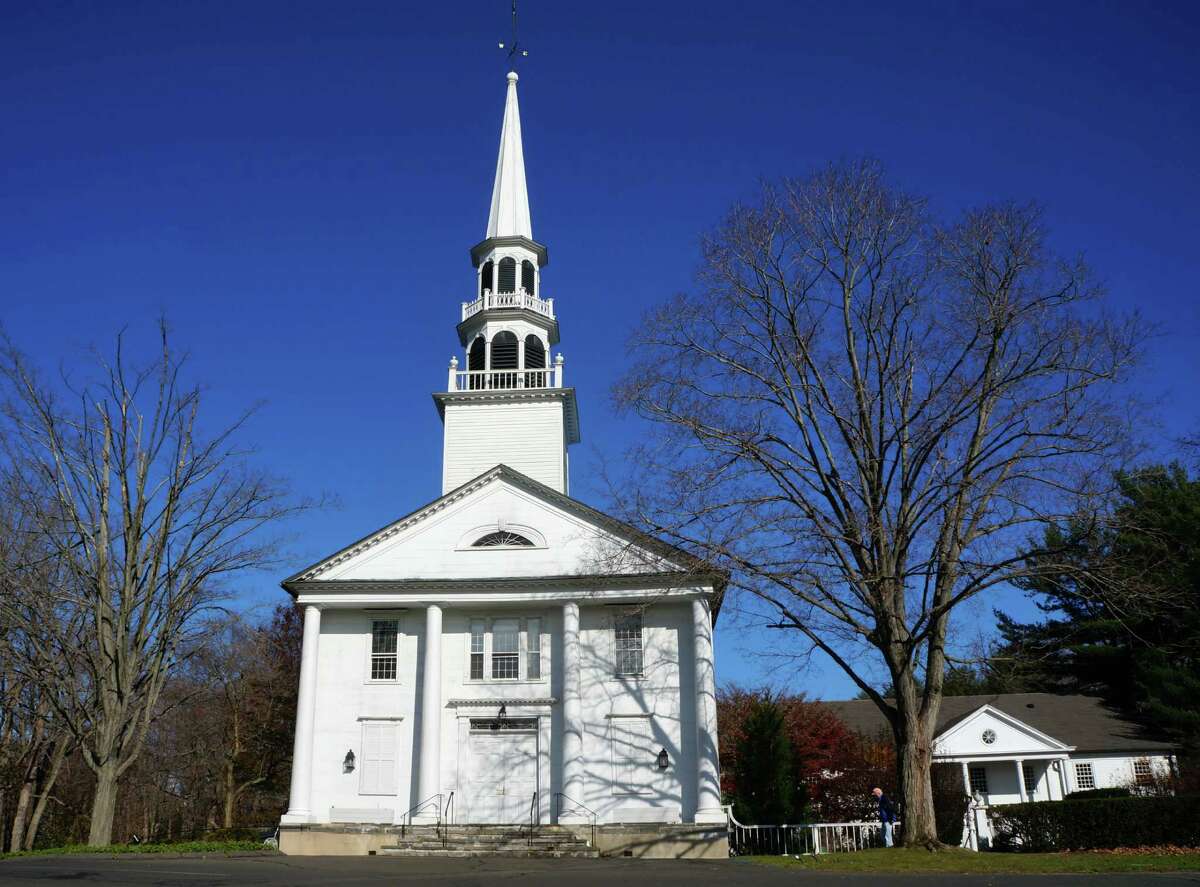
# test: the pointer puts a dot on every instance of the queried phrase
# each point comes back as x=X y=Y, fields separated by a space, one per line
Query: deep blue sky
x=296 y=186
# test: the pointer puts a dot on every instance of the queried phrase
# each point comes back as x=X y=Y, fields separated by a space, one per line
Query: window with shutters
x=535 y=359
x=627 y=633
x=508 y=276
x=1085 y=778
x=377 y=764
x=979 y=783
x=634 y=755
x=385 y=639
x=477 y=632
x=528 y=277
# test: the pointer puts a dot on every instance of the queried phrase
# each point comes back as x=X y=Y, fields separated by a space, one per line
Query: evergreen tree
x=1124 y=609
x=764 y=772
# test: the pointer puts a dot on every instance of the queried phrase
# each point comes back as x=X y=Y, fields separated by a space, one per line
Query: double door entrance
x=501 y=770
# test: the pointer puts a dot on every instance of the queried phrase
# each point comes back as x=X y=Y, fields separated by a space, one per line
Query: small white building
x=506 y=654
x=1015 y=748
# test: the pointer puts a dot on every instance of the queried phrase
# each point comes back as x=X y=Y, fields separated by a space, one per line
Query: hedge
x=1098 y=823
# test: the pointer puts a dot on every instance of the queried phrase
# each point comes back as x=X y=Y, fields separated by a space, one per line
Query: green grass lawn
x=182 y=847
x=965 y=862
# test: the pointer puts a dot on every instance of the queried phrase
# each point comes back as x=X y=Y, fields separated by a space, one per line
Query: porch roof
x=1082 y=721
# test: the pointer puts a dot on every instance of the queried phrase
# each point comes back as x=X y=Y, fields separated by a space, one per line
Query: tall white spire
x=509 y=216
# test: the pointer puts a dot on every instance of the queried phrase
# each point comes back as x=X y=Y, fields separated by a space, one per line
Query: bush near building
x=1098 y=824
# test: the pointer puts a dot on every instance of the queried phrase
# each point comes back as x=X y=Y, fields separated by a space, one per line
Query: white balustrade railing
x=491 y=380
x=519 y=299
x=804 y=838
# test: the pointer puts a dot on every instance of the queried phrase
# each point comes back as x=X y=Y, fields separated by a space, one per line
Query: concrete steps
x=551 y=842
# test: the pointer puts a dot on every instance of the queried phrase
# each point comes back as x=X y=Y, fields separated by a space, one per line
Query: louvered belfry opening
x=508 y=276
x=504 y=356
x=477 y=360
x=535 y=363
x=485 y=279
x=527 y=277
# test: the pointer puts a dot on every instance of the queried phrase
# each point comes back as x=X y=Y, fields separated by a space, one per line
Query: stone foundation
x=647 y=841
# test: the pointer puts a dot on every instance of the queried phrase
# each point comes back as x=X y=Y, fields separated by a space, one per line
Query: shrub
x=950 y=802
x=1099 y=793
x=1098 y=823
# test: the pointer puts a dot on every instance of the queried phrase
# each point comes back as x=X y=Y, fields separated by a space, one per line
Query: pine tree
x=764 y=773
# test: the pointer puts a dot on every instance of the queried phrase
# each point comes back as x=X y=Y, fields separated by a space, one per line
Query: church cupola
x=506 y=402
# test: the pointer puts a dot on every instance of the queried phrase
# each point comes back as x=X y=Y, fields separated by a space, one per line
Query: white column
x=1021 y=780
x=572 y=708
x=429 y=775
x=970 y=824
x=558 y=370
x=1062 y=778
x=452 y=382
x=708 y=781
x=300 y=799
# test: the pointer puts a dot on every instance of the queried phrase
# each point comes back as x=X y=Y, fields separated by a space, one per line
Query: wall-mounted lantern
x=501 y=718
x=663 y=760
x=348 y=762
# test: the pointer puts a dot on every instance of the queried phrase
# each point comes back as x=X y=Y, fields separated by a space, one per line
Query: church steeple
x=506 y=402
x=509 y=216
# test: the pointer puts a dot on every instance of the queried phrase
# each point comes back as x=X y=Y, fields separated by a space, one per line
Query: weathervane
x=514 y=48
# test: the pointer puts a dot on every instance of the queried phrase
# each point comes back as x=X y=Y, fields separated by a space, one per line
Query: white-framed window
x=1032 y=778
x=385 y=645
x=634 y=754
x=505 y=649
x=378 y=767
x=1085 y=778
x=979 y=783
x=627 y=644
x=1143 y=773
x=533 y=649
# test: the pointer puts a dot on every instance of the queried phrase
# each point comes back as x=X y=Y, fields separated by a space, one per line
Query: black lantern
x=663 y=760
x=348 y=762
x=501 y=718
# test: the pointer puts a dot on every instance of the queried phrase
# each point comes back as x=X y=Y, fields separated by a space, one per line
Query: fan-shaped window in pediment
x=502 y=539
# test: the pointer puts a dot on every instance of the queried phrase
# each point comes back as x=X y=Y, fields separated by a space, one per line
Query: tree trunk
x=914 y=759
x=230 y=795
x=18 y=826
x=61 y=748
x=104 y=805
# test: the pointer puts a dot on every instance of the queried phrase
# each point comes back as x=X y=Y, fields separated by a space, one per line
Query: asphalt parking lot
x=196 y=871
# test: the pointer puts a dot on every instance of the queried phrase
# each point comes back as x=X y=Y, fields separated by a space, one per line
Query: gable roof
x=1084 y=722
x=688 y=563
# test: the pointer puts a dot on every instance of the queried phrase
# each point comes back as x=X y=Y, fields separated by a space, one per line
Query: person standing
x=887 y=814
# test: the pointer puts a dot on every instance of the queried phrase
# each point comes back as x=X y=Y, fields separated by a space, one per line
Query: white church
x=506 y=666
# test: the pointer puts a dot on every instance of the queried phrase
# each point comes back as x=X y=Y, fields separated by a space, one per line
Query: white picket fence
x=804 y=838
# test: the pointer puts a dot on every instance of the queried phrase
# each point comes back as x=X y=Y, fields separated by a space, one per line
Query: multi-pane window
x=979 y=785
x=1031 y=781
x=628 y=634
x=506 y=649
x=477 y=628
x=1142 y=773
x=384 y=637
x=1084 y=777
x=533 y=642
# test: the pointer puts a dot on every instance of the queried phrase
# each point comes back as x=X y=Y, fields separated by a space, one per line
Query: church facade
x=506 y=655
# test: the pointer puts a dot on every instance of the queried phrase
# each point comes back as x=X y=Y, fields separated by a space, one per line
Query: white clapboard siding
x=526 y=436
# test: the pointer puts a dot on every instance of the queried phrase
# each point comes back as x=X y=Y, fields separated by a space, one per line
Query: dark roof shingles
x=1082 y=721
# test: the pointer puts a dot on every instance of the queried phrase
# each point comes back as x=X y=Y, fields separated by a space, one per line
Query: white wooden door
x=502 y=776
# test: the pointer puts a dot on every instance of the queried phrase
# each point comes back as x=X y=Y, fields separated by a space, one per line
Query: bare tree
x=863 y=415
x=146 y=518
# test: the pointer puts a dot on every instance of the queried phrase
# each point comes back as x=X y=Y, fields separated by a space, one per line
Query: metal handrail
x=532 y=814
x=559 y=797
x=447 y=818
x=406 y=819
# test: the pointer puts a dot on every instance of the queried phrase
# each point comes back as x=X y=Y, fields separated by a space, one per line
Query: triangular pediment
x=438 y=541
x=988 y=731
